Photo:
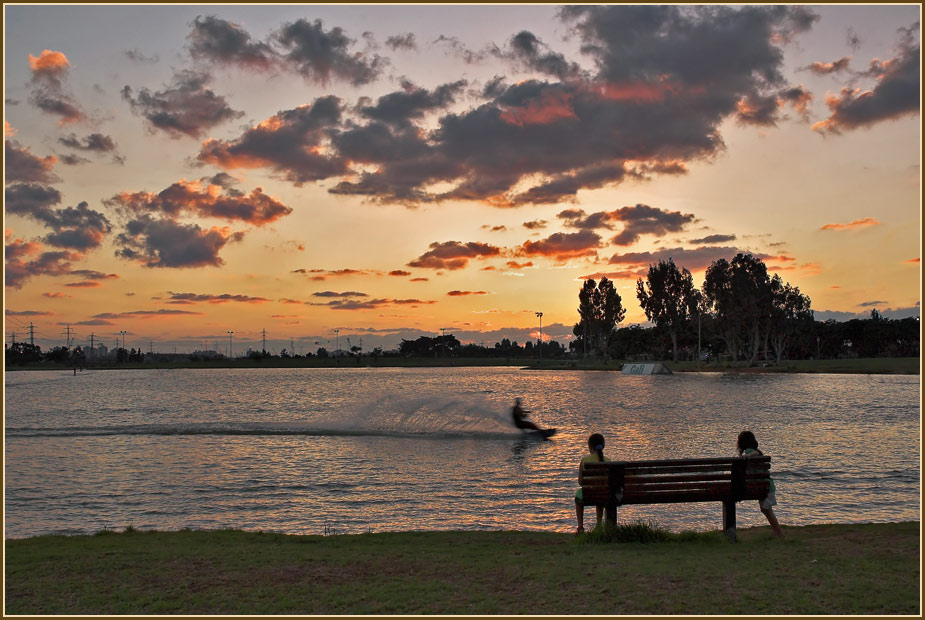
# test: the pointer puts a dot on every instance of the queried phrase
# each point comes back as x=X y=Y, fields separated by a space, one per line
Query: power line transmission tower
x=68 y=333
x=264 y=332
x=31 y=334
x=12 y=339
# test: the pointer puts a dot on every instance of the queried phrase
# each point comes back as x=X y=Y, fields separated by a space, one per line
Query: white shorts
x=768 y=501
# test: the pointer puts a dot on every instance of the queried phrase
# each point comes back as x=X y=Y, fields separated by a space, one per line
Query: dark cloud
x=160 y=313
x=637 y=220
x=399 y=272
x=709 y=239
x=372 y=304
x=28 y=313
x=402 y=42
x=224 y=42
x=869 y=304
x=336 y=294
x=758 y=110
x=319 y=55
x=664 y=84
x=166 y=243
x=460 y=50
x=199 y=199
x=826 y=68
x=28 y=259
x=84 y=284
x=30 y=199
x=22 y=166
x=78 y=228
x=412 y=103
x=95 y=142
x=49 y=92
x=135 y=55
x=183 y=108
x=526 y=49
x=799 y=98
x=535 y=224
x=895 y=94
x=73 y=160
x=853 y=40
x=95 y=322
x=694 y=260
x=465 y=293
x=453 y=254
x=89 y=274
x=320 y=275
x=214 y=299
x=290 y=143
x=563 y=246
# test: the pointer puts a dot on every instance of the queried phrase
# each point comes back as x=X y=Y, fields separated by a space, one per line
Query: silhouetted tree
x=600 y=309
x=669 y=299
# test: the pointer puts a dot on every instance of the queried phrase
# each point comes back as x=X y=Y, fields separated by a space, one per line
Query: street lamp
x=540 y=314
x=229 y=344
x=123 y=339
x=336 y=340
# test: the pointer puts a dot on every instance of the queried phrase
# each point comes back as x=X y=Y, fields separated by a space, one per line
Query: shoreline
x=896 y=366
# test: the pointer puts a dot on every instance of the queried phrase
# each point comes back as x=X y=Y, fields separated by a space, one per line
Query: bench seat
x=727 y=480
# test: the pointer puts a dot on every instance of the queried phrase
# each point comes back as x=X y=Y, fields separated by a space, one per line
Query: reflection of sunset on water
x=430 y=449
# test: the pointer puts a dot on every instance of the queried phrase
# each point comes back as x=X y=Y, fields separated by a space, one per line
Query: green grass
x=829 y=569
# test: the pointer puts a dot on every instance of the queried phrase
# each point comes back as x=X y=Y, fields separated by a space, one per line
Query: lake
x=309 y=451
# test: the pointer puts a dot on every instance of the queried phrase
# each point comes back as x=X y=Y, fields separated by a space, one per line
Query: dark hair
x=747 y=440
x=596 y=443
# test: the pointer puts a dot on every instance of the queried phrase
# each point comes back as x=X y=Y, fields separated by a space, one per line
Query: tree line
x=741 y=313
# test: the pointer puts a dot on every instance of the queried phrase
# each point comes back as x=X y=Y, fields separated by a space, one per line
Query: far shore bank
x=816 y=569
x=879 y=365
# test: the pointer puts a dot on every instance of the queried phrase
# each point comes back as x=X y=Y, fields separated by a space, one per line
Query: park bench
x=727 y=480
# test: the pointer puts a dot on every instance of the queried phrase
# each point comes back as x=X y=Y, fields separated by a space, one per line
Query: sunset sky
x=178 y=172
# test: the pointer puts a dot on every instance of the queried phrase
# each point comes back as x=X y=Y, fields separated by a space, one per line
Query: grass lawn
x=826 y=569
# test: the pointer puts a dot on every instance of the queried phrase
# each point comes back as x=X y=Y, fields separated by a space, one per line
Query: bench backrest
x=677 y=480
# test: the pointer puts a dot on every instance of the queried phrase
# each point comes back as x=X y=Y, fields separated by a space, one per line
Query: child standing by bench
x=747 y=446
x=596 y=448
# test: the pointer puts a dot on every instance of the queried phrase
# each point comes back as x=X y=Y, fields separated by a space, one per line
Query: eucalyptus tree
x=739 y=293
x=669 y=299
x=600 y=309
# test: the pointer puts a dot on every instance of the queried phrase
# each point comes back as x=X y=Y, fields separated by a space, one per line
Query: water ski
x=542 y=433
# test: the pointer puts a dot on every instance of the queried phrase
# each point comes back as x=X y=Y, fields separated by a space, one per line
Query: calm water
x=362 y=450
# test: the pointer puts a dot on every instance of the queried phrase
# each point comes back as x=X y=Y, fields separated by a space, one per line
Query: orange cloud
x=914 y=261
x=8 y=130
x=84 y=284
x=867 y=221
x=551 y=107
x=56 y=296
x=49 y=62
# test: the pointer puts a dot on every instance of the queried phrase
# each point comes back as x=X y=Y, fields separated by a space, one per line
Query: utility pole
x=12 y=339
x=264 y=332
x=443 y=339
x=31 y=334
x=540 y=314
x=92 y=336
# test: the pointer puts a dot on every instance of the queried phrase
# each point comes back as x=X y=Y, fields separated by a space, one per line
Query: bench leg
x=610 y=511
x=729 y=520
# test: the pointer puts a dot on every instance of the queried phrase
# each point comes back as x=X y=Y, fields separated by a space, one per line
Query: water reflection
x=426 y=449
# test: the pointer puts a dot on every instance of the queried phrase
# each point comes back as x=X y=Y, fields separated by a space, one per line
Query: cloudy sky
x=178 y=172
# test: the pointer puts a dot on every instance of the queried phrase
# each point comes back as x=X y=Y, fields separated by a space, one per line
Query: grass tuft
x=641 y=531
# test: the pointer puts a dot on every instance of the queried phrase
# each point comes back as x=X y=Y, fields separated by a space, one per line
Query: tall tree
x=600 y=309
x=790 y=309
x=669 y=299
x=739 y=293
